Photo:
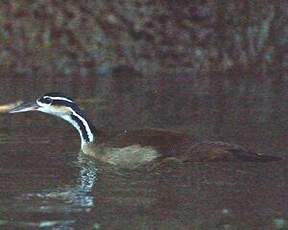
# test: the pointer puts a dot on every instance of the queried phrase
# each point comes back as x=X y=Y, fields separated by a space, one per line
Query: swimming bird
x=134 y=148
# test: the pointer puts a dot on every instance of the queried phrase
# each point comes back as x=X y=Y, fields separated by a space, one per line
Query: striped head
x=64 y=107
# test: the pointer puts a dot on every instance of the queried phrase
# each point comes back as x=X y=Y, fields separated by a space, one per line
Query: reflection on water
x=46 y=184
x=65 y=200
x=68 y=191
x=31 y=205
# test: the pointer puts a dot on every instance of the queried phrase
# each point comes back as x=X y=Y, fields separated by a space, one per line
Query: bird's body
x=132 y=149
x=131 y=156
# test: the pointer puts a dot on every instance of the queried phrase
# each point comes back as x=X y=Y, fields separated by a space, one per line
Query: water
x=46 y=184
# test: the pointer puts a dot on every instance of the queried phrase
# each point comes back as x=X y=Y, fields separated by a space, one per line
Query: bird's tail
x=268 y=158
x=256 y=157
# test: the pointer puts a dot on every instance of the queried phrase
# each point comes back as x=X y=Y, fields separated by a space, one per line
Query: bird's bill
x=25 y=107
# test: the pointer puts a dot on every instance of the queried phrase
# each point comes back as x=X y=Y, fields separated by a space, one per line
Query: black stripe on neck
x=82 y=128
x=77 y=110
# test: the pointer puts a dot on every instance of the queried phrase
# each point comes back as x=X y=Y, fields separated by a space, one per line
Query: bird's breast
x=131 y=156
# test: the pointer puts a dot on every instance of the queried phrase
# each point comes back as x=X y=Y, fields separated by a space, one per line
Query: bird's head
x=52 y=103
x=64 y=107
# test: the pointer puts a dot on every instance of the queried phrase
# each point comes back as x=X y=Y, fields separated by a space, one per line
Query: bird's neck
x=84 y=127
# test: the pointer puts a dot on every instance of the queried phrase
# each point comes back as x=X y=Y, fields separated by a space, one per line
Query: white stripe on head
x=58 y=98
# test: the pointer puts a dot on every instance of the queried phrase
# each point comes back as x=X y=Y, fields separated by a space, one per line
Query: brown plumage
x=168 y=143
x=178 y=145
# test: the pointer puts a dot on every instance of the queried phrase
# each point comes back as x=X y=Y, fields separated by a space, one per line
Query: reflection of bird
x=131 y=149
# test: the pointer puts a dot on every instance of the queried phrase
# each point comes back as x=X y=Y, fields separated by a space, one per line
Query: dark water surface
x=46 y=184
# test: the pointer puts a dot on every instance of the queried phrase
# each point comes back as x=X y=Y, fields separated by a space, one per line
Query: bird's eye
x=45 y=100
x=48 y=100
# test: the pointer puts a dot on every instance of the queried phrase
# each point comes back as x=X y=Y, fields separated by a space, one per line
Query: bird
x=134 y=148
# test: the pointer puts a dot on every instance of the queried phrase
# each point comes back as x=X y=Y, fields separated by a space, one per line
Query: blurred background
x=214 y=69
